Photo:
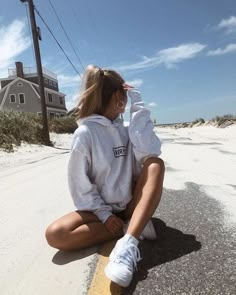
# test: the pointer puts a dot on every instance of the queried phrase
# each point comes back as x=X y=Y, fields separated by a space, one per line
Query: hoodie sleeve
x=144 y=140
x=84 y=193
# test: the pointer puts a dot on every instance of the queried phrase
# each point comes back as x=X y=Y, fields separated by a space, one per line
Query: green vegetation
x=63 y=125
x=220 y=120
x=17 y=127
x=200 y=120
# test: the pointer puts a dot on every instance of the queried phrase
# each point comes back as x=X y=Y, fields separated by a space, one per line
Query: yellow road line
x=101 y=284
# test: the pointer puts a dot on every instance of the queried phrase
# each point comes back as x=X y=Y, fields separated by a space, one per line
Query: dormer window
x=61 y=100
x=49 y=97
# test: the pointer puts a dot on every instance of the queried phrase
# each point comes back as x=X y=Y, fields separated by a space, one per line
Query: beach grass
x=18 y=127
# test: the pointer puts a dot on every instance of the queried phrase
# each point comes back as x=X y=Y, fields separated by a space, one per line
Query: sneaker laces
x=129 y=255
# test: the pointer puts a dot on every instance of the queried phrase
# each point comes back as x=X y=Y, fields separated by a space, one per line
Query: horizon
x=180 y=55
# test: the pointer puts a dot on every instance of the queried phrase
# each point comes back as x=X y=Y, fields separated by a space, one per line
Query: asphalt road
x=195 y=251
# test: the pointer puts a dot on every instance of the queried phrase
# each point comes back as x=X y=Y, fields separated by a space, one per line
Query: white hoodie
x=106 y=157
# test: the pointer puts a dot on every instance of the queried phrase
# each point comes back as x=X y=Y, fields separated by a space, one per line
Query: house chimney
x=19 y=69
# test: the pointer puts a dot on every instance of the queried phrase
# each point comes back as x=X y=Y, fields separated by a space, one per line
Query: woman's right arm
x=141 y=129
x=84 y=193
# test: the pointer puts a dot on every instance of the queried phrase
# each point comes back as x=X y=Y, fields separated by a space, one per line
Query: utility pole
x=35 y=34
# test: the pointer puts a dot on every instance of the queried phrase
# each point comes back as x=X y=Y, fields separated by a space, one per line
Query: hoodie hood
x=100 y=120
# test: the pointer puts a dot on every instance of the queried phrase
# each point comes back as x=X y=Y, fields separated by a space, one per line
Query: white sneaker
x=148 y=233
x=123 y=261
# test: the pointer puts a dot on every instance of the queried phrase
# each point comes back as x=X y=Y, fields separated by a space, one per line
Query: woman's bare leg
x=147 y=195
x=78 y=230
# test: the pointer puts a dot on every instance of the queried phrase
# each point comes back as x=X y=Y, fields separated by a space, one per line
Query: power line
x=50 y=31
x=68 y=38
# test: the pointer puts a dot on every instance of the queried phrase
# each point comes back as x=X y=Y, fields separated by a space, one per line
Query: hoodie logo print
x=119 y=151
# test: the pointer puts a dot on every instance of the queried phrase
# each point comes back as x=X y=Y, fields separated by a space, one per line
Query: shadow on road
x=170 y=245
x=64 y=257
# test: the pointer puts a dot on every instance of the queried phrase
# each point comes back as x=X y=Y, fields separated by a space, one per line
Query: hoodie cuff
x=134 y=95
x=103 y=215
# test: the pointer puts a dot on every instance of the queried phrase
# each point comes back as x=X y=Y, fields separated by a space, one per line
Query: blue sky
x=180 y=54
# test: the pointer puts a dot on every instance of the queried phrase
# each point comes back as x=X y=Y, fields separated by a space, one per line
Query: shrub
x=62 y=125
x=219 y=120
x=224 y=117
x=18 y=126
x=200 y=120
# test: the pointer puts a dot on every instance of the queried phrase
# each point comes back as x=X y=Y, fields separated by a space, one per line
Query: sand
x=33 y=190
x=205 y=156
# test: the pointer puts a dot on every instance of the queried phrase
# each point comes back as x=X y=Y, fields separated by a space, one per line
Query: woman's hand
x=127 y=87
x=114 y=224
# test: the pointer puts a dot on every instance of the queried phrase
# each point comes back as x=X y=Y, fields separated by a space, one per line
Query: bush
x=219 y=120
x=62 y=125
x=18 y=126
x=224 y=117
x=200 y=120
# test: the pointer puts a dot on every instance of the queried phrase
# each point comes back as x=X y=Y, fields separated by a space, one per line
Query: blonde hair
x=97 y=88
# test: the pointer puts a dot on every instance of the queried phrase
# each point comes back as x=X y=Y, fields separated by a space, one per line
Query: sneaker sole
x=115 y=279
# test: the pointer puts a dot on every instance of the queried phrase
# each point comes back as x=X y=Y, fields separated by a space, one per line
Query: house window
x=51 y=115
x=49 y=97
x=12 y=98
x=61 y=100
x=45 y=80
x=54 y=84
x=21 y=97
x=50 y=82
x=19 y=84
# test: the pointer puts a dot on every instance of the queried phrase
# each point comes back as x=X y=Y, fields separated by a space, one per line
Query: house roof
x=7 y=87
x=31 y=83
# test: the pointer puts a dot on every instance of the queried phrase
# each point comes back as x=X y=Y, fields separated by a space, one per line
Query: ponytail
x=97 y=88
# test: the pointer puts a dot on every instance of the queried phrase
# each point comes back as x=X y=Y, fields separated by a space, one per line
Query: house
x=20 y=92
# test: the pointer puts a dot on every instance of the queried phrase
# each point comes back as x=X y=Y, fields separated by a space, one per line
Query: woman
x=115 y=176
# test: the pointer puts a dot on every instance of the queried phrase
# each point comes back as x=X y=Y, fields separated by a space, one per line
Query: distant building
x=20 y=92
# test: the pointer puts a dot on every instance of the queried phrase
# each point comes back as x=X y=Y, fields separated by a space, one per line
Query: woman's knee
x=56 y=235
x=155 y=166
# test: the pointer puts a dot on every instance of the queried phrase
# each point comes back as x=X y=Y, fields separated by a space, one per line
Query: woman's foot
x=123 y=261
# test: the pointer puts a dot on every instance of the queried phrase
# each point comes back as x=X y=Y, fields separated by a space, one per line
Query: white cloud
x=135 y=83
x=72 y=100
x=68 y=81
x=228 y=24
x=219 y=51
x=70 y=85
x=168 y=57
x=13 y=42
x=152 y=104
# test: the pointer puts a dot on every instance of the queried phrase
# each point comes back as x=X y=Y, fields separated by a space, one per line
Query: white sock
x=131 y=239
